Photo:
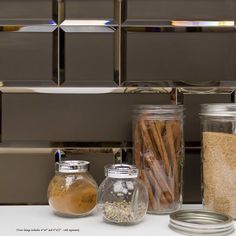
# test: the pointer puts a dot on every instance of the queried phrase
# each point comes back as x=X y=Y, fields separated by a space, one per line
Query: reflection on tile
x=26 y=56
x=97 y=163
x=192 y=105
x=89 y=58
x=83 y=118
x=89 y=9
x=181 y=9
x=185 y=57
x=24 y=178
x=26 y=9
x=192 y=176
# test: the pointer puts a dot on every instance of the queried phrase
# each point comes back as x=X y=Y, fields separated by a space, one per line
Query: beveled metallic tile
x=88 y=23
x=194 y=58
x=89 y=9
x=162 y=28
x=178 y=23
x=25 y=22
x=181 y=9
x=28 y=28
x=82 y=90
x=32 y=173
x=27 y=56
x=192 y=177
x=87 y=29
x=89 y=56
x=88 y=118
x=192 y=104
x=26 y=9
x=34 y=169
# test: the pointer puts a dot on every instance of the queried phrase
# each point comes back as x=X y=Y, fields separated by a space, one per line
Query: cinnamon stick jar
x=72 y=191
x=158 y=153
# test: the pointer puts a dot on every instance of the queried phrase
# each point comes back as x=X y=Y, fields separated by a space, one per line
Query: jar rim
x=218 y=109
x=168 y=109
x=121 y=171
x=72 y=166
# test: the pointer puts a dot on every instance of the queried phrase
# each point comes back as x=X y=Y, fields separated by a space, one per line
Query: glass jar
x=72 y=191
x=218 y=122
x=122 y=197
x=159 y=154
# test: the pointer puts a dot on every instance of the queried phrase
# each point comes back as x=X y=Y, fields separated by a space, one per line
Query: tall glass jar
x=218 y=122
x=122 y=196
x=158 y=153
x=72 y=191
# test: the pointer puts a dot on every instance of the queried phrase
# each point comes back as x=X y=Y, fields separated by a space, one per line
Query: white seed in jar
x=123 y=212
x=130 y=185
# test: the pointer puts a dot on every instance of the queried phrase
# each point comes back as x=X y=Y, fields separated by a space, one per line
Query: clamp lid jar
x=72 y=191
x=122 y=196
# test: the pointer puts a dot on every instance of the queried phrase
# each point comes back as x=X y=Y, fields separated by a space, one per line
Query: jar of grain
x=158 y=153
x=72 y=191
x=122 y=196
x=218 y=122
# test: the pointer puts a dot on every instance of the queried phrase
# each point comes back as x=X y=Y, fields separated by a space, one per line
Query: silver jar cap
x=75 y=166
x=161 y=110
x=218 y=109
x=121 y=171
x=200 y=222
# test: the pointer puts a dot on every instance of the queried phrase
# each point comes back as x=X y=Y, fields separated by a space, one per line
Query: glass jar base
x=164 y=212
x=122 y=223
x=71 y=215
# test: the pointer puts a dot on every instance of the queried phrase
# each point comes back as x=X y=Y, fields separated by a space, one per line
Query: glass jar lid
x=218 y=109
x=121 y=171
x=73 y=166
x=200 y=222
x=166 y=111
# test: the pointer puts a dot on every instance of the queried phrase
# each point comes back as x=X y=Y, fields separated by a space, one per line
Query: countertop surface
x=40 y=220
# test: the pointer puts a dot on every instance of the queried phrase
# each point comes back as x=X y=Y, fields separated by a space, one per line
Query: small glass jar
x=159 y=154
x=72 y=191
x=218 y=123
x=122 y=196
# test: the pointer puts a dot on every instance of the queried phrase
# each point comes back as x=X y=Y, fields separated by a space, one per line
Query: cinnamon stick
x=158 y=150
x=156 y=132
x=153 y=203
x=137 y=146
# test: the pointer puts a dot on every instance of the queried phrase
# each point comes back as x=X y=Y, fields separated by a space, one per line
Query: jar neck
x=121 y=171
x=165 y=112
x=72 y=167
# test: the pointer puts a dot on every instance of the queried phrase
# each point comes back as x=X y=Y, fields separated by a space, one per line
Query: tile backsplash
x=154 y=51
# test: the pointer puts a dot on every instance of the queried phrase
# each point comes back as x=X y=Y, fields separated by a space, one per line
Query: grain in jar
x=72 y=191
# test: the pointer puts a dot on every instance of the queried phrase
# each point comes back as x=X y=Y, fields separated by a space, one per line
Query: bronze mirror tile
x=26 y=56
x=181 y=9
x=89 y=58
x=97 y=163
x=178 y=56
x=89 y=9
x=192 y=120
x=192 y=177
x=24 y=178
x=26 y=9
x=83 y=118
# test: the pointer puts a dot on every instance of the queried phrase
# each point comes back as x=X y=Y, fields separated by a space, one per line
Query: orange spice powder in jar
x=72 y=191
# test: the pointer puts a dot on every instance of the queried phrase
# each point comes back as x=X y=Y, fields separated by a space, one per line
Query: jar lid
x=199 y=222
x=121 y=171
x=162 y=110
x=73 y=166
x=218 y=109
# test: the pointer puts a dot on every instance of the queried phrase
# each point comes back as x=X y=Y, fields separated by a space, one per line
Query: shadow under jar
x=218 y=122
x=72 y=192
x=122 y=196
x=158 y=153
